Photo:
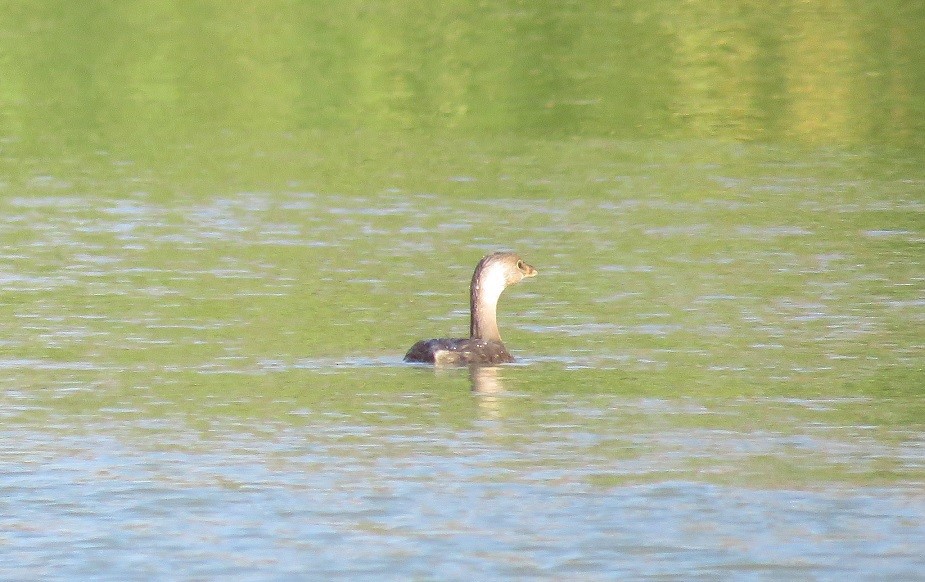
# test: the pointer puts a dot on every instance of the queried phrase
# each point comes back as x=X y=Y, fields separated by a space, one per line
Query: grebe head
x=499 y=270
x=493 y=274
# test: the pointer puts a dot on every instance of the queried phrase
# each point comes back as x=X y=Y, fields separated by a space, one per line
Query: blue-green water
x=223 y=225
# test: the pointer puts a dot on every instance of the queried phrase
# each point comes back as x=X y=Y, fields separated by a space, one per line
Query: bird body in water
x=493 y=274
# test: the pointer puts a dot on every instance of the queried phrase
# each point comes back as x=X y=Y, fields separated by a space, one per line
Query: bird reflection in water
x=488 y=385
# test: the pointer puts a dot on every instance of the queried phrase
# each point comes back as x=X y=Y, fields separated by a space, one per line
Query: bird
x=493 y=274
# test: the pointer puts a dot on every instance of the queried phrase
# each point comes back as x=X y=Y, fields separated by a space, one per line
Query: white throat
x=486 y=289
x=491 y=284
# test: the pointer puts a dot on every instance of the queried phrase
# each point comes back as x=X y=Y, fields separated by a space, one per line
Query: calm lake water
x=222 y=225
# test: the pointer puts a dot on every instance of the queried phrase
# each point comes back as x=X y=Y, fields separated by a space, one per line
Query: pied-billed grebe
x=483 y=346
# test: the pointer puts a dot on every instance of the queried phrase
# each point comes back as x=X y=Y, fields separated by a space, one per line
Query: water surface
x=215 y=252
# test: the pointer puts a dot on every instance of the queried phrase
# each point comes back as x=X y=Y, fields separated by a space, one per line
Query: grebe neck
x=488 y=282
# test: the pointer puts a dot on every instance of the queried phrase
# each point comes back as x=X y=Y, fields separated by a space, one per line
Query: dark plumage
x=455 y=351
